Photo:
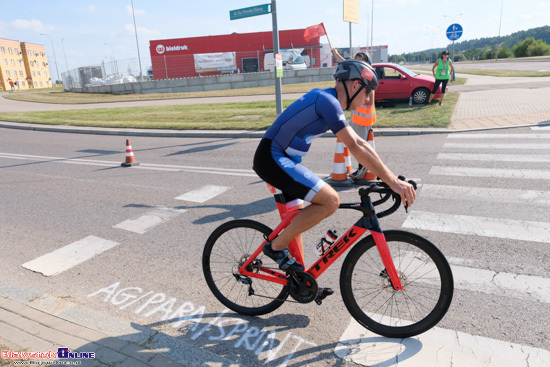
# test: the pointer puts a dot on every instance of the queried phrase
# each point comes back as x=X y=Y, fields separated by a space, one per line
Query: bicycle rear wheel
x=227 y=248
x=424 y=273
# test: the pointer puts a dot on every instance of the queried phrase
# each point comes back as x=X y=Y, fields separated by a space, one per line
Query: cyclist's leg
x=323 y=205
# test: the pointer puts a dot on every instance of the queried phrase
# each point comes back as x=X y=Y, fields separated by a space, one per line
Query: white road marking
x=529 y=174
x=526 y=287
x=480 y=226
x=523 y=197
x=498 y=136
x=437 y=347
x=494 y=157
x=547 y=127
x=203 y=194
x=149 y=220
x=71 y=255
x=497 y=146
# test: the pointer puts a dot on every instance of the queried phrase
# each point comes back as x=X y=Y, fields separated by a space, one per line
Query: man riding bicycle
x=278 y=156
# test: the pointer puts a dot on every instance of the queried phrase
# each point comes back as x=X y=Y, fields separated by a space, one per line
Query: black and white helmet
x=356 y=70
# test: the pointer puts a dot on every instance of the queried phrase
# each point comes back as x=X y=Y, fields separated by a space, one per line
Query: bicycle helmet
x=356 y=70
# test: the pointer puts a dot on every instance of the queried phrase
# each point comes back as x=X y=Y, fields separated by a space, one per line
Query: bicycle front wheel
x=370 y=298
x=226 y=250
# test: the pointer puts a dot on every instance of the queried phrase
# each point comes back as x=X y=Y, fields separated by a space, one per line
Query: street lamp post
x=64 y=54
x=499 y=24
x=54 y=57
x=431 y=34
x=137 y=43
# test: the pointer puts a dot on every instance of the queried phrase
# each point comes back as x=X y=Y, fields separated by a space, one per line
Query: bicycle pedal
x=323 y=293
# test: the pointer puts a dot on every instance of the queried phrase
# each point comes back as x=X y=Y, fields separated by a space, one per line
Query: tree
x=538 y=48
x=504 y=52
x=488 y=53
x=520 y=48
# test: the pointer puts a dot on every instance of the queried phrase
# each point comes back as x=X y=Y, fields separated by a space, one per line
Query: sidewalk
x=34 y=322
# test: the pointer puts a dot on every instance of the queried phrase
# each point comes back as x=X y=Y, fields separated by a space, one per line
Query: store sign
x=162 y=49
x=219 y=61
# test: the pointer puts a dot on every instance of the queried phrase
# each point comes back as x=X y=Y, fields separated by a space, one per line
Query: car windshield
x=297 y=60
x=404 y=69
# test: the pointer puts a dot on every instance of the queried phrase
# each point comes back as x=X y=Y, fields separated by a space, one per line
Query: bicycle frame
x=368 y=221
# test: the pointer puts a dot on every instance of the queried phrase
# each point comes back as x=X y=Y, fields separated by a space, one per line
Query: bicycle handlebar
x=386 y=192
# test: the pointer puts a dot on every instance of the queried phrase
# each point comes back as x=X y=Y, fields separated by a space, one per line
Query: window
x=33 y=73
x=10 y=50
x=8 y=73
x=38 y=73
x=43 y=64
x=6 y=61
x=17 y=51
x=21 y=72
x=45 y=73
x=41 y=83
x=3 y=49
x=19 y=62
x=13 y=62
x=29 y=53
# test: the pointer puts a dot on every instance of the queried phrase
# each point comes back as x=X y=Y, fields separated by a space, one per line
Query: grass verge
x=61 y=97
x=224 y=116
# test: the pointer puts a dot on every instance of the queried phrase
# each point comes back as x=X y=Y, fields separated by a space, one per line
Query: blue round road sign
x=454 y=32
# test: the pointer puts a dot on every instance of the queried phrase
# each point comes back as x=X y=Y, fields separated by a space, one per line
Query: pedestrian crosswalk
x=488 y=171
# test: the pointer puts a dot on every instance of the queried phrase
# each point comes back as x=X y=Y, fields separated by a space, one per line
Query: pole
x=499 y=24
x=371 y=22
x=278 y=80
x=54 y=57
x=64 y=55
x=137 y=43
x=350 y=48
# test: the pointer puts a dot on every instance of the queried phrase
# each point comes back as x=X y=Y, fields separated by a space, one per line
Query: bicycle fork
x=370 y=222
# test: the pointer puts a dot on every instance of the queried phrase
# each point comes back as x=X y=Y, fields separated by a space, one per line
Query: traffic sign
x=454 y=32
x=250 y=11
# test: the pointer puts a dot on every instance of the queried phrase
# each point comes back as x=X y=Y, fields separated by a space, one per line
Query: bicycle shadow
x=258 y=341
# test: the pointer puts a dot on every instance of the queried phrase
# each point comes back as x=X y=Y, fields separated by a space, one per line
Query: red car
x=398 y=82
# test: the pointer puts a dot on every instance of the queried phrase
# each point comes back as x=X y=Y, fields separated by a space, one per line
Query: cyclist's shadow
x=276 y=342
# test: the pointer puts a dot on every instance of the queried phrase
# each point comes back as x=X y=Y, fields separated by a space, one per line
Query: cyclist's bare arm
x=364 y=153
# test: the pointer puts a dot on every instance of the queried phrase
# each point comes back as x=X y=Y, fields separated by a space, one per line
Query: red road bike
x=394 y=283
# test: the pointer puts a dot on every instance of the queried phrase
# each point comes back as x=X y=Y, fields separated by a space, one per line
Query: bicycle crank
x=302 y=287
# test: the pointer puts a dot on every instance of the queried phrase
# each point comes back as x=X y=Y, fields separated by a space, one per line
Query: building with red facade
x=230 y=53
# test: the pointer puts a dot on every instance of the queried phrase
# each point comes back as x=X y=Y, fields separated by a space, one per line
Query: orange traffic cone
x=130 y=160
x=370 y=139
x=347 y=157
x=339 y=176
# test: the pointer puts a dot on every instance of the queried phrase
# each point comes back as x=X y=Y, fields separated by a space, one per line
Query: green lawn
x=224 y=116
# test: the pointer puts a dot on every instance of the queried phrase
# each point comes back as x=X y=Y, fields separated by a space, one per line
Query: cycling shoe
x=282 y=258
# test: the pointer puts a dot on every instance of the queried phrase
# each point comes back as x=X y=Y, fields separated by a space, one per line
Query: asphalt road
x=483 y=200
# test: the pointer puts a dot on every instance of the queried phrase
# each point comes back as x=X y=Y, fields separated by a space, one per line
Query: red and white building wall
x=230 y=53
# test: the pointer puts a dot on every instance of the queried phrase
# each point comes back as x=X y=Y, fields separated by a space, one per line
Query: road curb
x=237 y=134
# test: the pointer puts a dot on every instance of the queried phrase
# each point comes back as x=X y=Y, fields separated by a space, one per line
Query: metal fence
x=106 y=73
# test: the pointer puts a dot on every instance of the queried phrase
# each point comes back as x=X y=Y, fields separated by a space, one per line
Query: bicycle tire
x=224 y=252
x=425 y=275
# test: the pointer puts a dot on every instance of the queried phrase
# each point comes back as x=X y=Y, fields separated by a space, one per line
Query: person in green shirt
x=442 y=70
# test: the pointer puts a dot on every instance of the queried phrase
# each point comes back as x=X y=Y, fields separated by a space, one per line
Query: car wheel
x=421 y=95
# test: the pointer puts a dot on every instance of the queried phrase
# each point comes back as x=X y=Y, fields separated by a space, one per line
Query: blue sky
x=86 y=26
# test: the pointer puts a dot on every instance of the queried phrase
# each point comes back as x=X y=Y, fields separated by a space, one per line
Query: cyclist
x=278 y=156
